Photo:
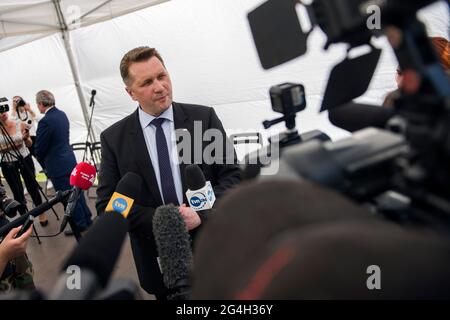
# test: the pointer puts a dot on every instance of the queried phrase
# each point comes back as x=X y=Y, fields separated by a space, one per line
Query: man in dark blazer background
x=53 y=150
x=143 y=141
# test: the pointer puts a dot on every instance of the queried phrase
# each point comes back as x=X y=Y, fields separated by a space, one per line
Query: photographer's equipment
x=402 y=173
x=278 y=38
x=342 y=21
x=22 y=114
x=4 y=107
x=89 y=145
x=287 y=99
x=15 y=153
x=21 y=103
x=93 y=259
x=350 y=79
x=355 y=116
x=10 y=207
x=60 y=196
x=27 y=224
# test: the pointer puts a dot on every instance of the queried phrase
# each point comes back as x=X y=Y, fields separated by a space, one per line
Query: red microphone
x=81 y=178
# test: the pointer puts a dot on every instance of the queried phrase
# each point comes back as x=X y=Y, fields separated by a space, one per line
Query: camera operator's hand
x=190 y=217
x=11 y=248
x=27 y=107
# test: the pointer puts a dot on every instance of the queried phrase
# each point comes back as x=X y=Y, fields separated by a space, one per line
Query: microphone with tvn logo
x=127 y=190
x=81 y=178
x=200 y=194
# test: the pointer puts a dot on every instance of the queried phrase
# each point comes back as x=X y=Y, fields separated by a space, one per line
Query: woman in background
x=10 y=148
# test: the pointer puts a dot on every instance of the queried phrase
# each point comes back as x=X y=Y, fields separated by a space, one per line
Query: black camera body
x=288 y=98
x=21 y=103
x=4 y=107
x=8 y=206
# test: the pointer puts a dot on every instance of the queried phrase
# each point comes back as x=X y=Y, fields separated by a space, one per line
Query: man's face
x=150 y=86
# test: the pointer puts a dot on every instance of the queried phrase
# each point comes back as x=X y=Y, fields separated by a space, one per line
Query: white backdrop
x=208 y=49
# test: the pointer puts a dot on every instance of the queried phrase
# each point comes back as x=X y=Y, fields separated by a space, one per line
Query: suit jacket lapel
x=139 y=150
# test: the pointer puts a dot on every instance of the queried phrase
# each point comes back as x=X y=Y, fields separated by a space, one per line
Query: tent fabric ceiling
x=209 y=51
x=27 y=20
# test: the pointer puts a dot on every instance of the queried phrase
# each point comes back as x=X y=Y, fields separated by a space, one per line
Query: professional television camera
x=402 y=173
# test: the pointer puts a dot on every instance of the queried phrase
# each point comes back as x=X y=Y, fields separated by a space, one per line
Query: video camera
x=8 y=206
x=403 y=174
x=4 y=107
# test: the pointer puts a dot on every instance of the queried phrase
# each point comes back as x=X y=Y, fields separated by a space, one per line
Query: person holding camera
x=21 y=111
x=14 y=140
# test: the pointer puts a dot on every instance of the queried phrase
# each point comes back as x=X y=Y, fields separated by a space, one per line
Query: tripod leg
x=29 y=173
x=37 y=235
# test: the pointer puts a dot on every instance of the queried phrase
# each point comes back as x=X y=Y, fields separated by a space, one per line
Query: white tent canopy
x=37 y=19
x=207 y=47
x=22 y=21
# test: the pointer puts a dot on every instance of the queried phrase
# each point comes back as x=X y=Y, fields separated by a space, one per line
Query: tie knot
x=157 y=122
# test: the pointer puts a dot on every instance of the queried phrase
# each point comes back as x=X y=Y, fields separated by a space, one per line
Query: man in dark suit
x=53 y=150
x=144 y=143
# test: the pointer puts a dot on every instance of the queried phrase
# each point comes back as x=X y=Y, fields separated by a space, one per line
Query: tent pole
x=68 y=47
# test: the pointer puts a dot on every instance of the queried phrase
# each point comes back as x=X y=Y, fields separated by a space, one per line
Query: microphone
x=94 y=258
x=28 y=124
x=92 y=102
x=174 y=249
x=200 y=194
x=59 y=197
x=354 y=116
x=81 y=178
x=127 y=190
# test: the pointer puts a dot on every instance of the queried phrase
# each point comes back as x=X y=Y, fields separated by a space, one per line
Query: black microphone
x=200 y=194
x=92 y=102
x=95 y=257
x=354 y=116
x=175 y=253
x=59 y=197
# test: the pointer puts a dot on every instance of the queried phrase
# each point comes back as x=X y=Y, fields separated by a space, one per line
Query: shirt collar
x=145 y=118
x=47 y=110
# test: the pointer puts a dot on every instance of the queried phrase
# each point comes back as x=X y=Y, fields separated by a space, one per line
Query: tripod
x=13 y=152
x=87 y=144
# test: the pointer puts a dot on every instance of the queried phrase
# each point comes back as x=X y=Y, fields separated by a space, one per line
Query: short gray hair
x=46 y=98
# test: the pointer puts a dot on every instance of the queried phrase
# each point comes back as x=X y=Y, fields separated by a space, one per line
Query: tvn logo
x=198 y=200
x=120 y=204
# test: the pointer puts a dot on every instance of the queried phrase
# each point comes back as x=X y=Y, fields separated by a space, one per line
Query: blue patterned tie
x=165 y=171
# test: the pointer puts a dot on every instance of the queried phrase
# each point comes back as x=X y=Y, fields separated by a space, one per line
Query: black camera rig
x=403 y=174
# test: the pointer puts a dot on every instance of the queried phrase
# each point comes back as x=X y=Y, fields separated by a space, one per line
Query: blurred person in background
x=12 y=147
